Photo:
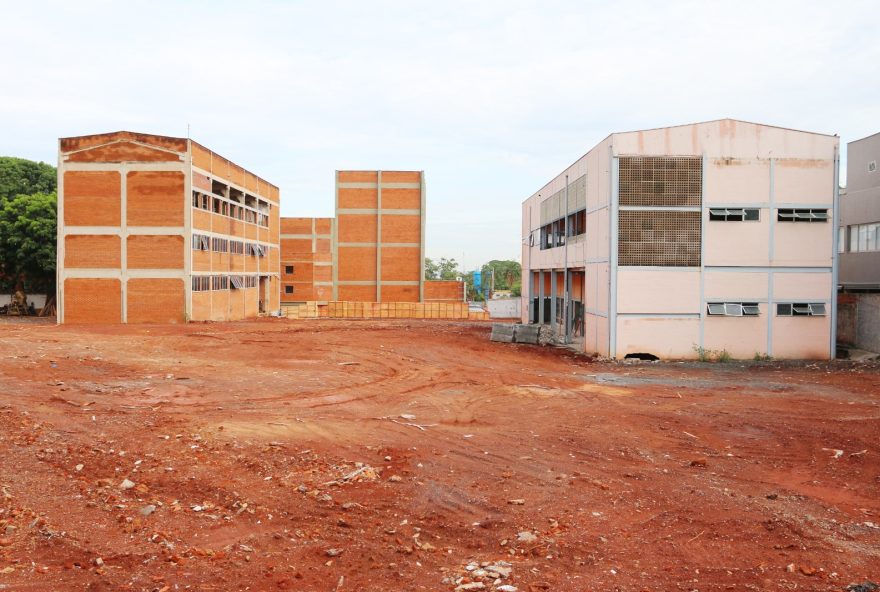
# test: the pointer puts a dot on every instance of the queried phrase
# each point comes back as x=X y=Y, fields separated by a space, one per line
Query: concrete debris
x=502 y=332
x=334 y=552
x=395 y=478
x=526 y=537
x=126 y=484
x=526 y=334
x=516 y=502
x=147 y=510
x=483 y=575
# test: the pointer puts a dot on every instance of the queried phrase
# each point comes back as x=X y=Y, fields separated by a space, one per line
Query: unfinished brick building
x=161 y=229
x=307 y=259
x=380 y=236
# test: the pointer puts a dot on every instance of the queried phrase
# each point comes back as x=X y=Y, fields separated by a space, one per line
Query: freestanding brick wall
x=159 y=229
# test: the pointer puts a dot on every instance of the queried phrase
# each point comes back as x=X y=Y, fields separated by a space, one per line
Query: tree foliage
x=444 y=269
x=508 y=275
x=27 y=239
x=19 y=176
x=28 y=217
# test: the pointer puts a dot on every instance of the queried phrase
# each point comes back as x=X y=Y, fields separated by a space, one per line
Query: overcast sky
x=491 y=98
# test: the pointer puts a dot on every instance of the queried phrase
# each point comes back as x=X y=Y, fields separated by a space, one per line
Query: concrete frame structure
x=859 y=231
x=379 y=243
x=307 y=259
x=683 y=239
x=145 y=222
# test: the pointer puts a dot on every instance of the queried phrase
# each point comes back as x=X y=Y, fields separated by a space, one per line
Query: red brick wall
x=92 y=251
x=155 y=300
x=155 y=198
x=92 y=198
x=155 y=252
x=444 y=291
x=92 y=301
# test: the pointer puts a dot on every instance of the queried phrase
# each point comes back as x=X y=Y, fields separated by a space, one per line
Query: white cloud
x=491 y=98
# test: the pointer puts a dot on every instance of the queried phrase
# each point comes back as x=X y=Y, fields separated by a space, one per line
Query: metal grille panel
x=663 y=181
x=659 y=238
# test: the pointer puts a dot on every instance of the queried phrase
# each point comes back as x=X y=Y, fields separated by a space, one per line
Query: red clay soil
x=333 y=455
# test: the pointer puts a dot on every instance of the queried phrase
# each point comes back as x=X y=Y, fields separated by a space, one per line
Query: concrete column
x=541 y=297
x=553 y=299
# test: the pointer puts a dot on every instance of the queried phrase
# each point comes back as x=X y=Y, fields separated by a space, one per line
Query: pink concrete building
x=713 y=236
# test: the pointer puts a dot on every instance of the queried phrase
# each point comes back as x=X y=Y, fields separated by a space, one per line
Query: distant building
x=859 y=233
x=672 y=241
x=161 y=229
x=307 y=259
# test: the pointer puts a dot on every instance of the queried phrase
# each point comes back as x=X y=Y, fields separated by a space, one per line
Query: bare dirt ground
x=333 y=455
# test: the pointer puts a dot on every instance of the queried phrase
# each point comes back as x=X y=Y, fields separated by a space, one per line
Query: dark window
x=288 y=269
x=288 y=289
x=802 y=215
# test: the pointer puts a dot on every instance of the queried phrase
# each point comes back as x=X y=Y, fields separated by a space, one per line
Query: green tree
x=508 y=275
x=445 y=269
x=19 y=176
x=27 y=241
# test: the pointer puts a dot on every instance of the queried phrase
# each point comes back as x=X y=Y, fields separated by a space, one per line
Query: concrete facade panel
x=721 y=286
x=801 y=337
x=799 y=244
x=737 y=181
x=90 y=141
x=737 y=243
x=667 y=338
x=802 y=287
x=802 y=181
x=741 y=337
x=655 y=292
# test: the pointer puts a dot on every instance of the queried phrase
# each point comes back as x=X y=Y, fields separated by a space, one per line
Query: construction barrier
x=383 y=310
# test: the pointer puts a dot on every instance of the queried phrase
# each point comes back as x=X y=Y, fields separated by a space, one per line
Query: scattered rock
x=395 y=478
x=334 y=552
x=773 y=496
x=526 y=537
x=471 y=586
x=506 y=588
x=126 y=484
x=699 y=462
x=407 y=416
x=790 y=567
x=147 y=510
x=79 y=467
x=866 y=586
x=98 y=562
x=808 y=571
x=516 y=502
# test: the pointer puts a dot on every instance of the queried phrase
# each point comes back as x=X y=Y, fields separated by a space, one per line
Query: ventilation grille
x=659 y=238
x=663 y=181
